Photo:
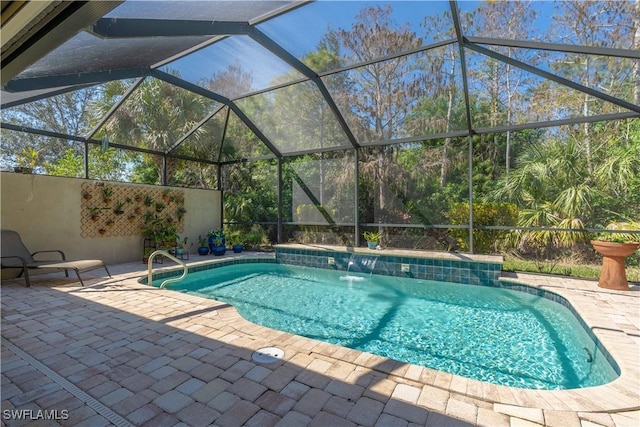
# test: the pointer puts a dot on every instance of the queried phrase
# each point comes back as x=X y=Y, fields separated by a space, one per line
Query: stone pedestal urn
x=613 y=275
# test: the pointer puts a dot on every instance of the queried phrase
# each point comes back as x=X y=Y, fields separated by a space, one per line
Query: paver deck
x=116 y=352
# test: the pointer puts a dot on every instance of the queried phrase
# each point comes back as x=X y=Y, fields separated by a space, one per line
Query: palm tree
x=155 y=117
x=553 y=188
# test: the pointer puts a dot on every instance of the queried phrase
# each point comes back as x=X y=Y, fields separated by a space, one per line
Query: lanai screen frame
x=42 y=87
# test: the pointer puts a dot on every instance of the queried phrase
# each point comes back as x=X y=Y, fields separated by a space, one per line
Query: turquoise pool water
x=488 y=334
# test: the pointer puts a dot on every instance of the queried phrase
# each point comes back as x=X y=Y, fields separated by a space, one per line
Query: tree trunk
x=507 y=153
x=585 y=112
x=444 y=169
x=636 y=47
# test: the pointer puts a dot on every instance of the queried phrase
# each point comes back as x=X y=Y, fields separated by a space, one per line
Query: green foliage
x=556 y=185
x=251 y=237
x=69 y=164
x=236 y=237
x=28 y=157
x=155 y=116
x=109 y=164
x=182 y=242
x=160 y=230
x=145 y=172
x=371 y=236
x=621 y=237
x=250 y=195
x=484 y=214
x=218 y=236
x=256 y=238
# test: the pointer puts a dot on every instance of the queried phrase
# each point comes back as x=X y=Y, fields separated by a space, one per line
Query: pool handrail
x=171 y=280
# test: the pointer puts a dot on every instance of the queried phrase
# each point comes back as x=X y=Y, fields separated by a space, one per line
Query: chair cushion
x=80 y=265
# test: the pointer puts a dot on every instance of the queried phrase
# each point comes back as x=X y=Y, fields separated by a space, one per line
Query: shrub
x=484 y=214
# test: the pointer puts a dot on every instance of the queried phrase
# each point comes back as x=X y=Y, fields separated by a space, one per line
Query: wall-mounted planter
x=125 y=208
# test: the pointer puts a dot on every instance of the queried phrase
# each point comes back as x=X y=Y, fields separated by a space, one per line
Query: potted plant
x=237 y=239
x=181 y=245
x=217 y=242
x=147 y=253
x=118 y=210
x=180 y=212
x=107 y=194
x=614 y=248
x=166 y=235
x=203 y=249
x=372 y=238
x=237 y=245
x=162 y=233
x=94 y=213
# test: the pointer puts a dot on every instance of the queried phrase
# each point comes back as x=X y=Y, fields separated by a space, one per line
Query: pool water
x=495 y=335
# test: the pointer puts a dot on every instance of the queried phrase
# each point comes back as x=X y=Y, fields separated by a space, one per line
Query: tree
x=442 y=109
x=155 y=116
x=553 y=187
x=636 y=46
x=382 y=94
x=504 y=84
x=68 y=114
x=590 y=23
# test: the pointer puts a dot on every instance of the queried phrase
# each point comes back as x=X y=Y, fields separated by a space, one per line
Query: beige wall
x=45 y=210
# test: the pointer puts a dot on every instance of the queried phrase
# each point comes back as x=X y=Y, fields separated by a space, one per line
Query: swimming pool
x=489 y=334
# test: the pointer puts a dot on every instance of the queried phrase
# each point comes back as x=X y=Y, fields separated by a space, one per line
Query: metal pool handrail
x=168 y=255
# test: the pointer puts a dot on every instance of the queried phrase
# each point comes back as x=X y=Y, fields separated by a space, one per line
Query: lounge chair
x=16 y=255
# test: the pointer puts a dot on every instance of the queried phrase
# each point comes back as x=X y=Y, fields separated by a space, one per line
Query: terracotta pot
x=613 y=275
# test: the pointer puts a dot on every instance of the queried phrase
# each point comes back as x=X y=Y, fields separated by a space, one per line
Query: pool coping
x=620 y=395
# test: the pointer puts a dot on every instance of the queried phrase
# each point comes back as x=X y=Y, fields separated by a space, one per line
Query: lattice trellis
x=120 y=209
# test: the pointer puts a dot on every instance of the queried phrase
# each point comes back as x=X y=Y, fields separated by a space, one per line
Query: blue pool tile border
x=445 y=270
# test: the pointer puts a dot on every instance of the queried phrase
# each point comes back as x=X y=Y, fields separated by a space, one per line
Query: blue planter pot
x=237 y=248
x=218 y=250
x=213 y=245
x=372 y=245
x=203 y=250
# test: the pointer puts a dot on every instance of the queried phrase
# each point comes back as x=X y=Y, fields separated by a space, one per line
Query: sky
x=300 y=31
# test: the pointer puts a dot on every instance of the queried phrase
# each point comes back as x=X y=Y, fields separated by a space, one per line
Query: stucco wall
x=46 y=211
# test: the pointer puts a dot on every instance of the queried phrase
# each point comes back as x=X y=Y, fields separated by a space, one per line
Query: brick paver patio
x=120 y=353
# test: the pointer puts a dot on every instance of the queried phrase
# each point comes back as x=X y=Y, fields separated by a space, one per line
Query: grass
x=563 y=268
